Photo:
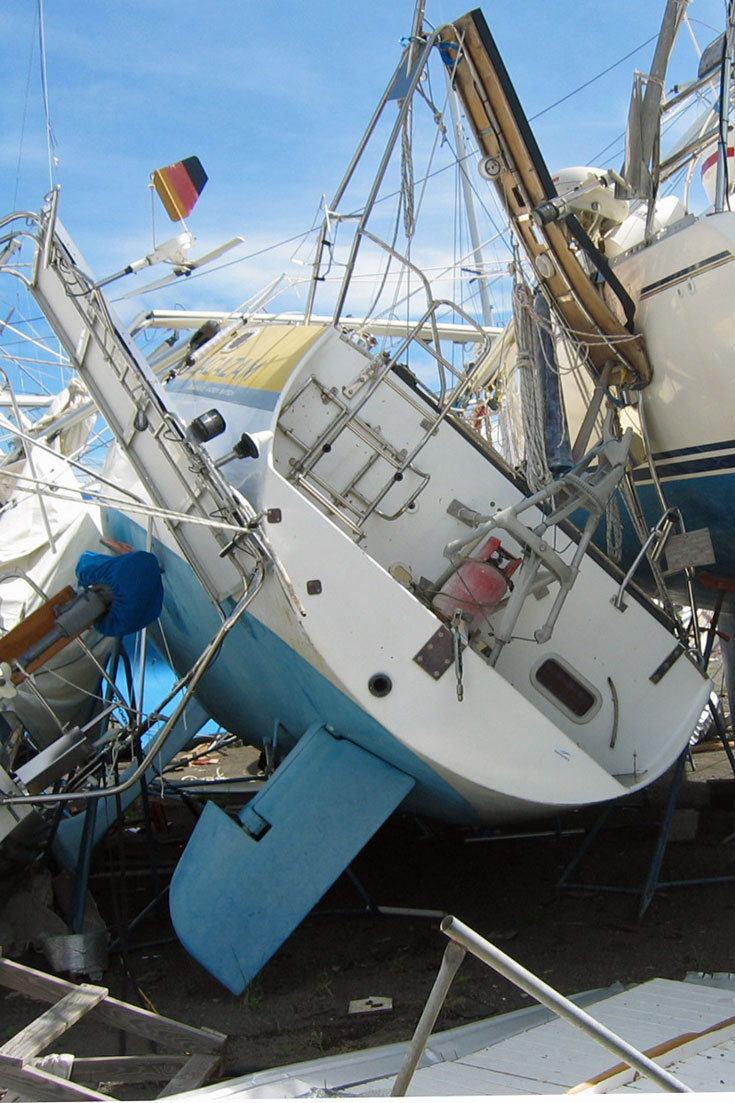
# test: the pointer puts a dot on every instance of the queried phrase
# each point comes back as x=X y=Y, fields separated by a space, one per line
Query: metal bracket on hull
x=239 y=890
x=437 y=654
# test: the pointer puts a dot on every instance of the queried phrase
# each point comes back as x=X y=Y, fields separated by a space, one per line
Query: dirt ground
x=506 y=887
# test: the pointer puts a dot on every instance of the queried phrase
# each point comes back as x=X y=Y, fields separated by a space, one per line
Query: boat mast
x=641 y=168
x=469 y=202
x=411 y=66
x=416 y=28
x=721 y=187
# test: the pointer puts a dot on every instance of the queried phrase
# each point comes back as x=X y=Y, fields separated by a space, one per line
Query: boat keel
x=240 y=889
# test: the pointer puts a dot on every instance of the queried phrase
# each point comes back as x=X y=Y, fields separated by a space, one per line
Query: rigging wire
x=592 y=80
x=50 y=137
x=24 y=116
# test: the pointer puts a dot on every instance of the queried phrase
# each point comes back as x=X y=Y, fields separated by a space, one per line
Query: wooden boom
x=512 y=160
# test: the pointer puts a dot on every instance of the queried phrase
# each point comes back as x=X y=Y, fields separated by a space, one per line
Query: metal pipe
x=453 y=957
x=136 y=506
x=378 y=327
x=723 y=138
x=430 y=315
x=686 y=91
x=564 y=1008
x=36 y=442
x=143 y=637
x=667 y=519
x=581 y=443
x=669 y=166
x=343 y=185
x=31 y=463
x=382 y=168
x=469 y=202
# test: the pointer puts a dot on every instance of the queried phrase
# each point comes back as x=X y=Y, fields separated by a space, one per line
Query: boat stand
x=653 y=880
x=371 y=908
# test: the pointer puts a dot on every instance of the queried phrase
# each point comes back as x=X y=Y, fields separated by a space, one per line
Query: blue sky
x=272 y=97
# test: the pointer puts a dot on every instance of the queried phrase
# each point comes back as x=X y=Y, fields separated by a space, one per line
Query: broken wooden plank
x=116 y=1013
x=30 y=1083
x=131 y=1069
x=193 y=1074
x=53 y=1022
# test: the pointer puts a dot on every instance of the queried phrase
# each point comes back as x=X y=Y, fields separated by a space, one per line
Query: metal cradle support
x=653 y=882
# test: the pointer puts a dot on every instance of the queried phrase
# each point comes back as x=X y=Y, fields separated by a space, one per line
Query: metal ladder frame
x=176 y=472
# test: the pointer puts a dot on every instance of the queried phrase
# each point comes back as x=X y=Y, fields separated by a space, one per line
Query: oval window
x=572 y=693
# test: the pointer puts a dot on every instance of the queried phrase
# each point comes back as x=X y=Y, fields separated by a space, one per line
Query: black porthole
x=380 y=685
x=567 y=688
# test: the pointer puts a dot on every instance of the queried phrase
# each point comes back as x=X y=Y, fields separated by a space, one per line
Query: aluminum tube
x=382 y=168
x=31 y=463
x=451 y=961
x=722 y=185
x=557 y=1003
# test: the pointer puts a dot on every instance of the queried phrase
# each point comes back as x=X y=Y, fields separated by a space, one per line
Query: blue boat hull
x=266 y=693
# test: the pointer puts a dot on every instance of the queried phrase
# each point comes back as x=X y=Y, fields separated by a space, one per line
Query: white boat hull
x=506 y=750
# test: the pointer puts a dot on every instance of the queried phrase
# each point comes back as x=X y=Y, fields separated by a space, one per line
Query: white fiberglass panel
x=684 y=286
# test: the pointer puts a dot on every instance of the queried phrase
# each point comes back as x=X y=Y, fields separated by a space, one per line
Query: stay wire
x=23 y=123
x=592 y=80
x=50 y=138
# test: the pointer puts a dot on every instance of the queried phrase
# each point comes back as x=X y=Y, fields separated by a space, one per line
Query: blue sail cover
x=135 y=582
x=556 y=432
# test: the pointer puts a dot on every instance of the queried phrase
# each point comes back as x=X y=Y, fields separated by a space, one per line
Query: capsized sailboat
x=356 y=581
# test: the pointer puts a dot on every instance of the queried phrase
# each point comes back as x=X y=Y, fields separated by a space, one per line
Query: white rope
x=407 y=184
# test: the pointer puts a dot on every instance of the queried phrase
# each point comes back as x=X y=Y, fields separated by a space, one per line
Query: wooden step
x=193 y=1054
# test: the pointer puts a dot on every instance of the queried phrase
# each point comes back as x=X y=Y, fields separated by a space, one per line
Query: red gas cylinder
x=477 y=586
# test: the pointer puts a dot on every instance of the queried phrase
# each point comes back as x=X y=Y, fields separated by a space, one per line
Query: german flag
x=179 y=186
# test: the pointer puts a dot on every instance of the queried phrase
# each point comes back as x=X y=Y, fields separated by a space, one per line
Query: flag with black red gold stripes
x=179 y=186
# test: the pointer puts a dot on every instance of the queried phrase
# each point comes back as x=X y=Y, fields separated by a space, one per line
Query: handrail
x=660 y=530
x=29 y=456
x=463 y=938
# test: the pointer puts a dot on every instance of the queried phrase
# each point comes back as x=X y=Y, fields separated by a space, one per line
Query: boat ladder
x=385 y=465
x=213 y=526
x=347 y=500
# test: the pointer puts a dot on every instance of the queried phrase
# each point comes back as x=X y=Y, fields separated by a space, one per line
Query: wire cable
x=592 y=80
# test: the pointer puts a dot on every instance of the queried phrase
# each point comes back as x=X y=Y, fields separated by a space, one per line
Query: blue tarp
x=135 y=582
